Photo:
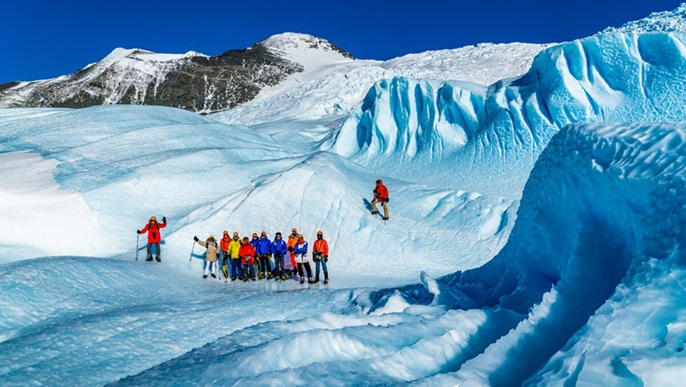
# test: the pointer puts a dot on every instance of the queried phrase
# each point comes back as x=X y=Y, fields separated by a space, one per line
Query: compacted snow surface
x=525 y=245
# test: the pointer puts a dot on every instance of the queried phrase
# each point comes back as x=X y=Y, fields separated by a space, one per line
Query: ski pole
x=137 y=237
x=192 y=248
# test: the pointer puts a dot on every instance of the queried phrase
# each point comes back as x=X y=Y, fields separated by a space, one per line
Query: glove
x=164 y=219
x=388 y=200
x=138 y=231
x=217 y=255
x=195 y=238
x=326 y=258
x=290 y=248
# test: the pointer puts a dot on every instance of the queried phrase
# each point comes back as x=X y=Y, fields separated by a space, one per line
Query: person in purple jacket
x=264 y=254
x=279 y=249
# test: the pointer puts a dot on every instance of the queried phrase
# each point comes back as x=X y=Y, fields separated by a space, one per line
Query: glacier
x=535 y=232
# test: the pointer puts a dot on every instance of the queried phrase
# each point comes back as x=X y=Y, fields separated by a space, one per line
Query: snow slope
x=206 y=177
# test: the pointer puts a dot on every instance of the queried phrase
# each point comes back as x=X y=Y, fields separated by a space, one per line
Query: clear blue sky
x=44 y=39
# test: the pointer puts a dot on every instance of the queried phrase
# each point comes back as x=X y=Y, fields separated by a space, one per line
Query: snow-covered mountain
x=191 y=81
x=535 y=232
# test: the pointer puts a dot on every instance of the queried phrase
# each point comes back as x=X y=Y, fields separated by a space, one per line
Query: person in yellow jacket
x=234 y=248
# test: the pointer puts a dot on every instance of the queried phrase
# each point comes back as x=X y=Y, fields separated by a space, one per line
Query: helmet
x=300 y=236
x=211 y=237
x=226 y=232
x=320 y=233
x=294 y=229
x=235 y=233
x=153 y=218
x=264 y=233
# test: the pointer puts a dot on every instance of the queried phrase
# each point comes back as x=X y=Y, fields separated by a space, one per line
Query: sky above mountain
x=44 y=39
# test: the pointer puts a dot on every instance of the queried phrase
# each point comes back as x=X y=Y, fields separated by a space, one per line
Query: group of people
x=249 y=256
x=246 y=257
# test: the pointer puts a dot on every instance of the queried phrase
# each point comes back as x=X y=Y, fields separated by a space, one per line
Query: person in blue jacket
x=279 y=249
x=264 y=254
x=300 y=250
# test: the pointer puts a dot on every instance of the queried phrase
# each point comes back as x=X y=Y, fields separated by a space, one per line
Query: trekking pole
x=192 y=248
x=137 y=237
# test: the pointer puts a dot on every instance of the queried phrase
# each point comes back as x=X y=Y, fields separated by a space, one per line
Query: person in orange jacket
x=320 y=254
x=292 y=240
x=154 y=236
x=247 y=253
x=380 y=196
x=224 y=246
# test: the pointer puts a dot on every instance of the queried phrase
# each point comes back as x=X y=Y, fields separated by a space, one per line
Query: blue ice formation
x=603 y=211
x=613 y=77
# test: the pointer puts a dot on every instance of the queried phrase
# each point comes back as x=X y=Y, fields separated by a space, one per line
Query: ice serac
x=602 y=217
x=608 y=77
x=402 y=118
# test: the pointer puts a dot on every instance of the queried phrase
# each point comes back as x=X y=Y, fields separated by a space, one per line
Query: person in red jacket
x=154 y=236
x=247 y=253
x=380 y=195
x=224 y=246
x=320 y=254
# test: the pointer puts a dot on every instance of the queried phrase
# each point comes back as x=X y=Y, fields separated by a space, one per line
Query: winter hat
x=319 y=233
x=153 y=218
x=226 y=232
x=264 y=233
x=294 y=229
x=235 y=233
x=300 y=236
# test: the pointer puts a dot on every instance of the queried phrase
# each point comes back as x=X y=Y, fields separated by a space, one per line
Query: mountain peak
x=667 y=21
x=296 y=45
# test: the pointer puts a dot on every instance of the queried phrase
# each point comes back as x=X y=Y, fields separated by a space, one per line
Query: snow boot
x=385 y=218
x=214 y=276
x=326 y=278
x=302 y=280
x=316 y=280
x=309 y=280
x=149 y=258
x=233 y=278
x=204 y=276
x=158 y=259
x=375 y=212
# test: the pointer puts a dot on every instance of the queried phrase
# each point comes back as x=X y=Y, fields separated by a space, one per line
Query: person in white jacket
x=300 y=250
x=212 y=254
